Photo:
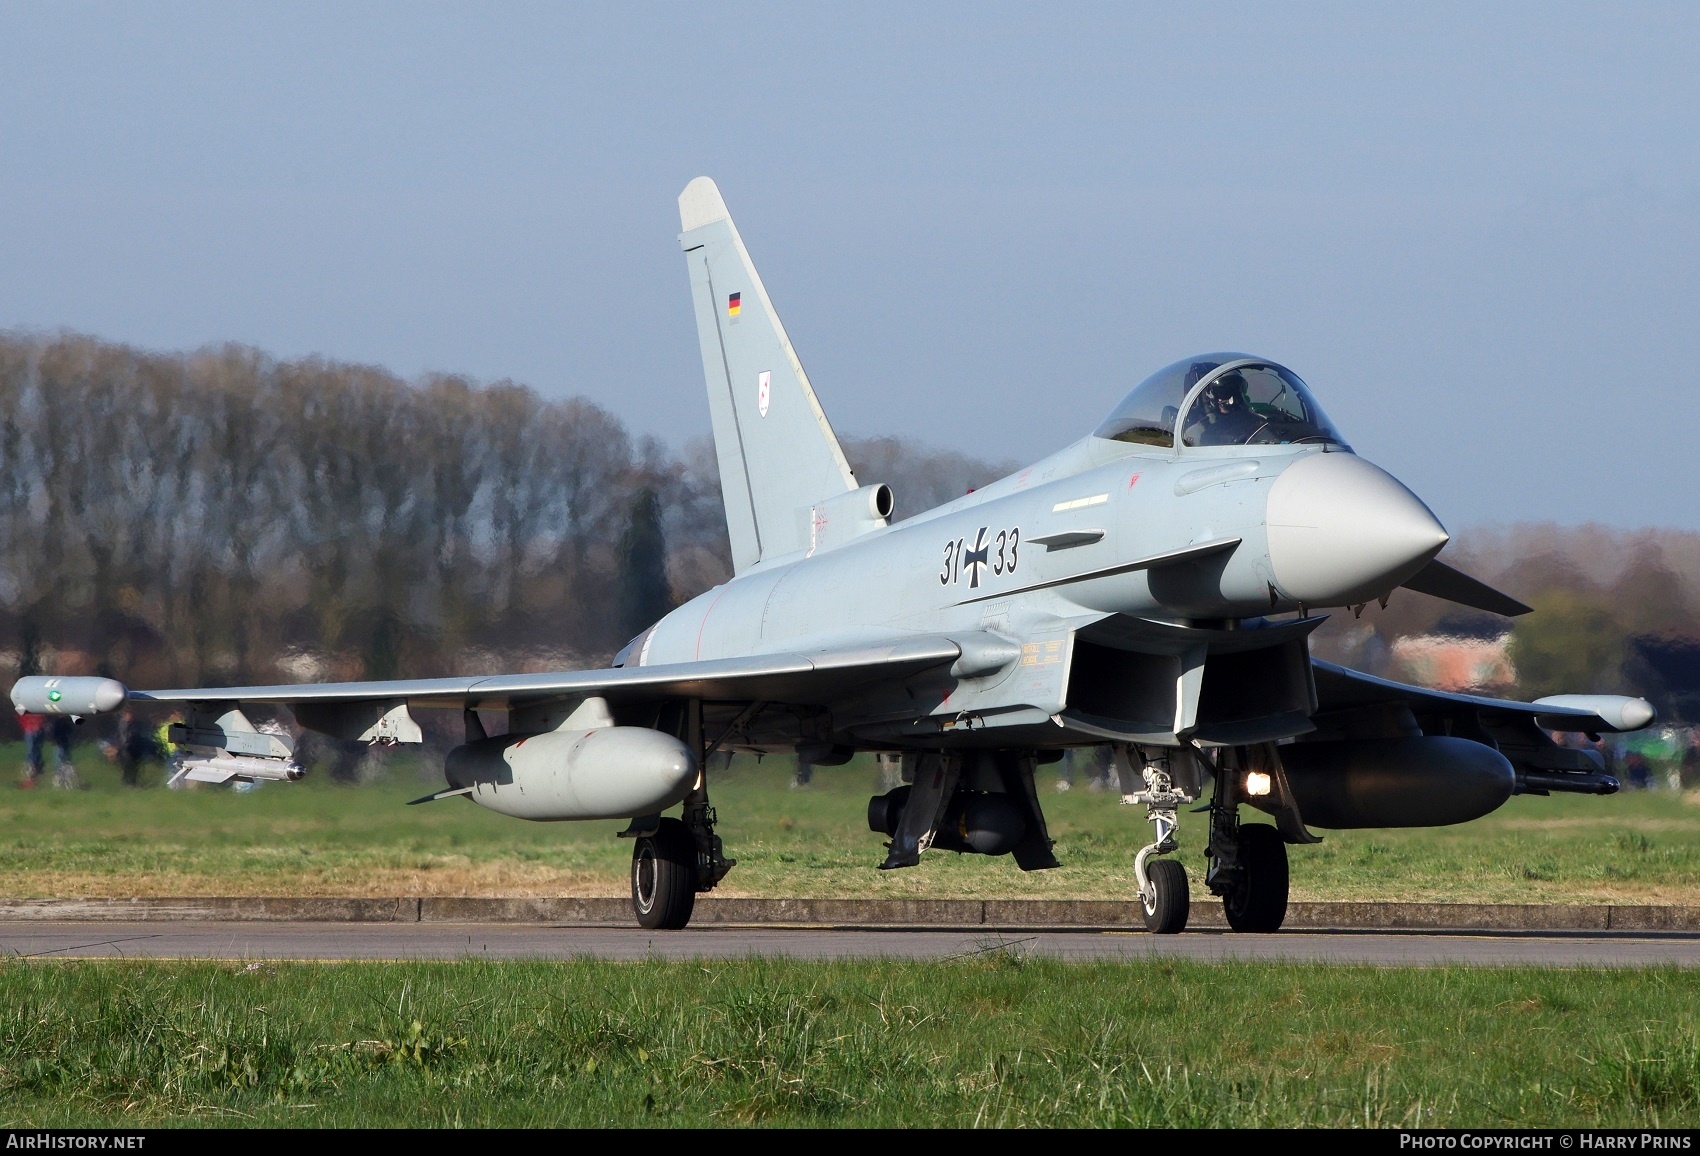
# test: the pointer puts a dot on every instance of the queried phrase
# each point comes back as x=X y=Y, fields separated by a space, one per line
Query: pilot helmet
x=1228 y=392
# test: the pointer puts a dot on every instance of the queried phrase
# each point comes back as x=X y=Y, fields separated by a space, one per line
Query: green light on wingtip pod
x=52 y=696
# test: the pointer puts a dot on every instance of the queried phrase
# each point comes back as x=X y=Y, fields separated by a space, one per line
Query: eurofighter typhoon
x=1151 y=587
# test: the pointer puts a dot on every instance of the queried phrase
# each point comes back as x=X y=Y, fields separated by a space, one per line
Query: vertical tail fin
x=778 y=455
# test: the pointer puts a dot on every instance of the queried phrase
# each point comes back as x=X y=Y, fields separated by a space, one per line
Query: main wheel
x=1258 y=902
x=664 y=877
x=1169 y=902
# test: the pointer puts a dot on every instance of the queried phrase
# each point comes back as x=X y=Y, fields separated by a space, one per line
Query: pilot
x=1224 y=416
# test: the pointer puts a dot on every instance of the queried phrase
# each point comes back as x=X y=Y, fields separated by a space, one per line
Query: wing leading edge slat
x=804 y=677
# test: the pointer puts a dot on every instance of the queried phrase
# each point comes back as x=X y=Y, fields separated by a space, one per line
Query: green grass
x=991 y=1040
x=317 y=838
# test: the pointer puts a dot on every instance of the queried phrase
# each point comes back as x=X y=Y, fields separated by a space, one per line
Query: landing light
x=1256 y=783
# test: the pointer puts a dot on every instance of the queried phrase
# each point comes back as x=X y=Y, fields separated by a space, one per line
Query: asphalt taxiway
x=451 y=941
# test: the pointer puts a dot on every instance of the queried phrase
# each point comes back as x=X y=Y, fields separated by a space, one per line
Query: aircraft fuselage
x=1015 y=561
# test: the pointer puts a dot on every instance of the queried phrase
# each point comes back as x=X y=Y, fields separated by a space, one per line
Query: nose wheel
x=1163 y=891
x=1165 y=897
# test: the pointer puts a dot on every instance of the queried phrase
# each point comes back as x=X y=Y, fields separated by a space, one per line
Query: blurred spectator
x=138 y=746
x=1094 y=766
x=1688 y=771
x=1607 y=752
x=35 y=734
x=1638 y=769
x=64 y=771
x=162 y=740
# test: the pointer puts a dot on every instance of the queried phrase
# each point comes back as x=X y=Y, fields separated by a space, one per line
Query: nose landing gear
x=1163 y=891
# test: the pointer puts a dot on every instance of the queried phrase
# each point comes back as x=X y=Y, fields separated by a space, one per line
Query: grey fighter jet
x=1151 y=587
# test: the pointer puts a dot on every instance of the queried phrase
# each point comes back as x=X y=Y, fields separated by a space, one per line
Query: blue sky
x=1474 y=229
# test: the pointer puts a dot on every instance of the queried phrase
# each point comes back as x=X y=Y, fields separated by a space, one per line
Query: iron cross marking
x=975 y=559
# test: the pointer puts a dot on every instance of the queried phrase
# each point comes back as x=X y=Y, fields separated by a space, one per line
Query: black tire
x=1170 y=902
x=664 y=877
x=1259 y=902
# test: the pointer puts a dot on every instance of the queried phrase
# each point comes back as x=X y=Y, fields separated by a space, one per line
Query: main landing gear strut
x=1248 y=863
x=674 y=859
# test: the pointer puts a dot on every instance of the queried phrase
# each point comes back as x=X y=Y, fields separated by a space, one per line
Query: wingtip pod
x=1618 y=712
x=53 y=694
x=701 y=204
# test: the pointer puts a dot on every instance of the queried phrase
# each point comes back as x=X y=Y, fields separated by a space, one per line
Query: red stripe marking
x=703 y=625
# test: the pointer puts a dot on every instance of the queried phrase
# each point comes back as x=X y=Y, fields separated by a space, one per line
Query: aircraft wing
x=222 y=743
x=806 y=677
x=1349 y=701
x=1339 y=688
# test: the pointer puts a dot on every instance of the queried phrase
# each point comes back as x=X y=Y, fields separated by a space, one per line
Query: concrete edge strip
x=954 y=913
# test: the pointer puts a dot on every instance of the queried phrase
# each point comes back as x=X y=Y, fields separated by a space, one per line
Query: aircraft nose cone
x=1343 y=531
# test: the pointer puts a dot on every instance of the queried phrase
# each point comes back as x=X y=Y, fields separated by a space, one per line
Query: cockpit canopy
x=1230 y=399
